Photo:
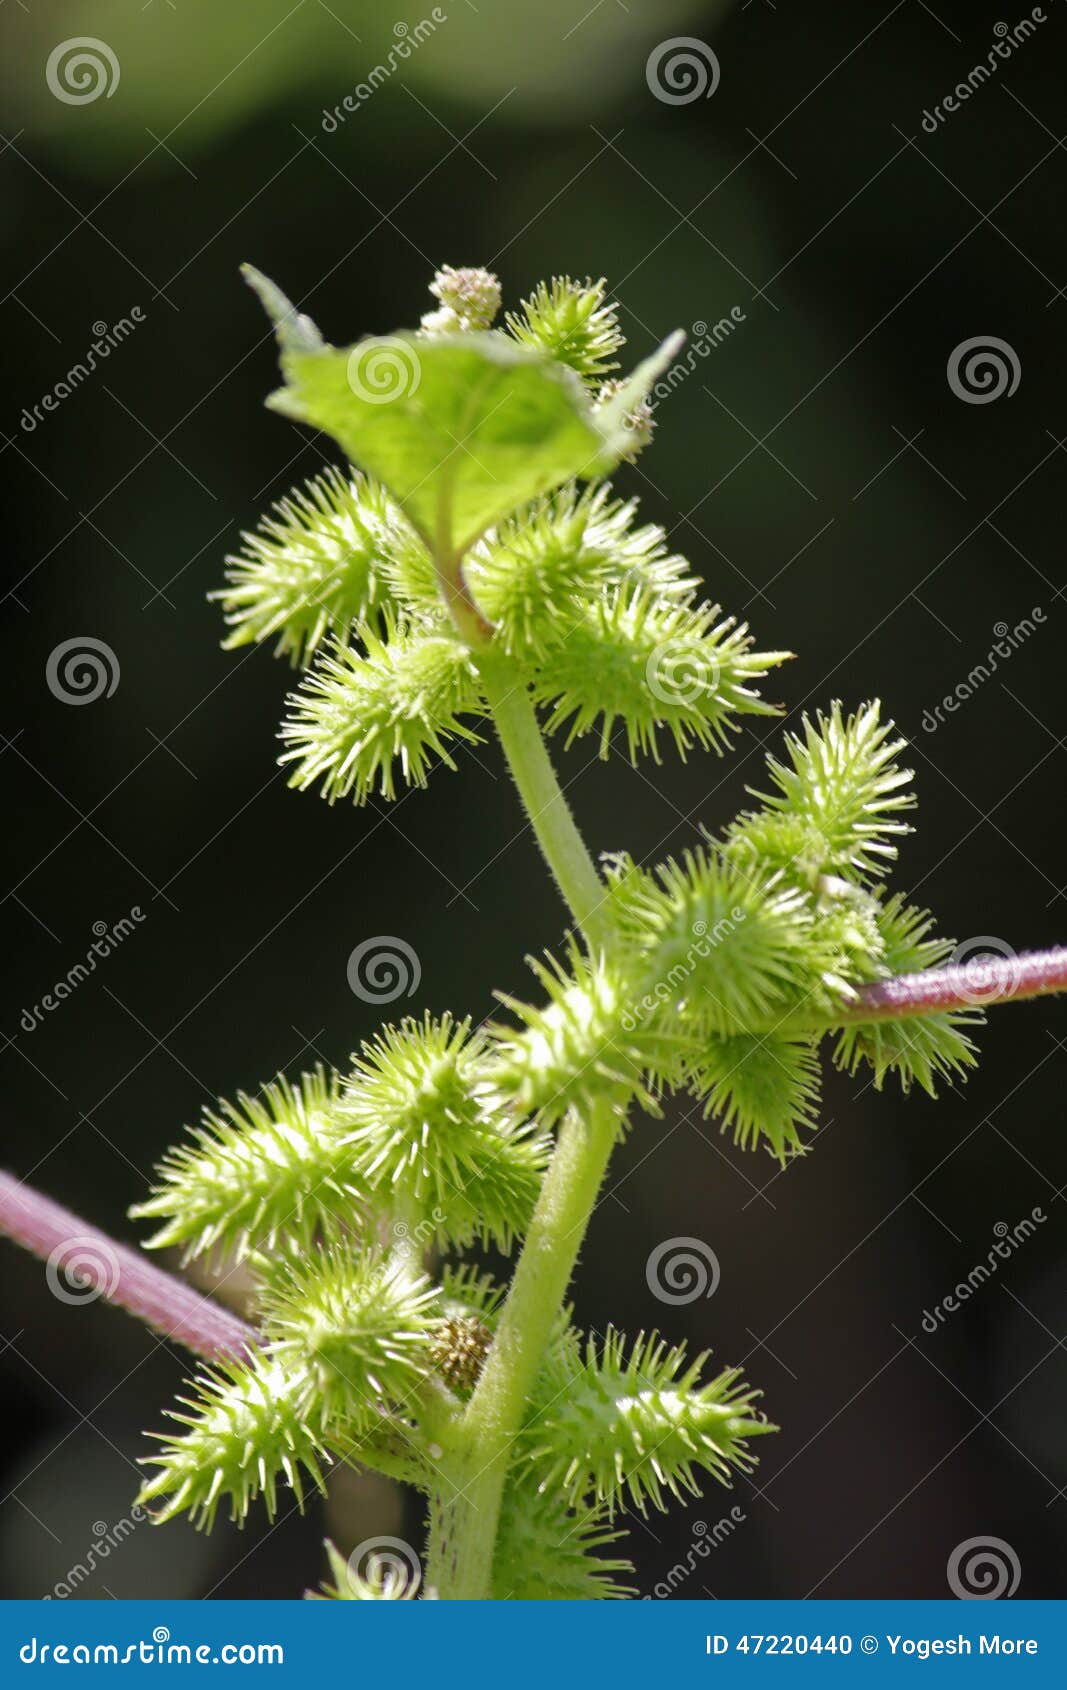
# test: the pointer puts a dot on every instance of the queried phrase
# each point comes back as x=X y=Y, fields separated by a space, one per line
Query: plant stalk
x=84 y=1263
x=984 y=980
x=562 y=845
x=465 y=1522
x=466 y=1509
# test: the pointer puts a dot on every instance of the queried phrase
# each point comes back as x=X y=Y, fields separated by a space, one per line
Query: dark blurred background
x=827 y=481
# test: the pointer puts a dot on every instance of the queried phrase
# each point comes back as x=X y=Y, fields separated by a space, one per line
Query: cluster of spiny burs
x=475 y=562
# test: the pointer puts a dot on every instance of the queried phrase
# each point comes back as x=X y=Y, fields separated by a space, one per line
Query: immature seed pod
x=459 y=1351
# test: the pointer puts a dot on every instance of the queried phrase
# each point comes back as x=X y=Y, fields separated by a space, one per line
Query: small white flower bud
x=470 y=299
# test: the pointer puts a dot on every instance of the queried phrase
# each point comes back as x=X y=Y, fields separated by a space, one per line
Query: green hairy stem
x=474 y=566
x=487 y=1432
x=550 y=816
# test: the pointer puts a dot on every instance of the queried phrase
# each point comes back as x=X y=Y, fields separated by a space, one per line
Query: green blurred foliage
x=200 y=68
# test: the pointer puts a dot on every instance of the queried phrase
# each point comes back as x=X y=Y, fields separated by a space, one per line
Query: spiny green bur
x=474 y=568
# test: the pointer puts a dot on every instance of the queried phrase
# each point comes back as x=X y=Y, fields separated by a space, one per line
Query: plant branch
x=557 y=834
x=466 y=1506
x=985 y=980
x=84 y=1263
x=468 y=1520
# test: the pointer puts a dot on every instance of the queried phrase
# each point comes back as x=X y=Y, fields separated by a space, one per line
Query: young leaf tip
x=294 y=331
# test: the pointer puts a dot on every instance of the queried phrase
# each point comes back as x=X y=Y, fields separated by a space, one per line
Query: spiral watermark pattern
x=384 y=968
x=382 y=371
x=81 y=670
x=979 y=958
x=80 y=1270
x=983 y=1569
x=387 y=1563
x=682 y=70
x=983 y=369
x=81 y=69
x=682 y=1270
x=676 y=674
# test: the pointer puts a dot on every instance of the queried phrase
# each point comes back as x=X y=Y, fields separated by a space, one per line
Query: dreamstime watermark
x=388 y=1564
x=108 y=939
x=983 y=1569
x=706 y=1539
x=1009 y=1239
x=106 y=337
x=1009 y=38
x=81 y=69
x=983 y=369
x=424 y=1233
x=82 y=1270
x=1008 y=640
x=158 y=1650
x=105 y=1539
x=704 y=339
x=682 y=70
x=384 y=968
x=380 y=371
x=676 y=673
x=682 y=1270
x=990 y=968
x=669 y=988
x=409 y=37
x=81 y=670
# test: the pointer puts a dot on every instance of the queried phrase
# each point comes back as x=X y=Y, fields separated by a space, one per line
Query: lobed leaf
x=461 y=429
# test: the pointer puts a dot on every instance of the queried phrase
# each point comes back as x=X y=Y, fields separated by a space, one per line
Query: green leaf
x=613 y=414
x=460 y=429
x=293 y=331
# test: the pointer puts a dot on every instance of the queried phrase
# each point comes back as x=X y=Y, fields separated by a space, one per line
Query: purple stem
x=988 y=978
x=84 y=1263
